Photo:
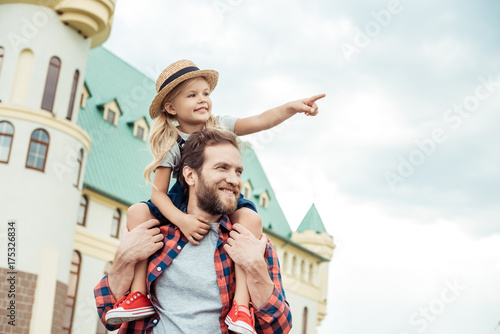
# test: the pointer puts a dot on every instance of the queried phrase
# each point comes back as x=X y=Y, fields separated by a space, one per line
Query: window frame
x=74 y=88
x=86 y=207
x=11 y=140
x=45 y=96
x=73 y=298
x=79 y=160
x=40 y=143
x=118 y=219
x=2 y=54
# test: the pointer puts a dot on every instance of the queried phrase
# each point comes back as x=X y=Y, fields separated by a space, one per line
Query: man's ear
x=189 y=175
x=169 y=108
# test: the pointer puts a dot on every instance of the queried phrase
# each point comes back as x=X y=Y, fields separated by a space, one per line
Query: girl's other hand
x=193 y=227
x=307 y=106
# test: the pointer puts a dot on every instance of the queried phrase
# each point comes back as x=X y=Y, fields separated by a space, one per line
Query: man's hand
x=248 y=252
x=140 y=243
x=244 y=248
x=135 y=246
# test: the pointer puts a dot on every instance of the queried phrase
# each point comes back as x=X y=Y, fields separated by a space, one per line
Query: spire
x=312 y=221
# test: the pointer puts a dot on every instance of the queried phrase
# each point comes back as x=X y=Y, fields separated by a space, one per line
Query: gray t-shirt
x=186 y=294
x=173 y=156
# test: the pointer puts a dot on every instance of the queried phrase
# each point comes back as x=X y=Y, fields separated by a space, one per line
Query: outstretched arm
x=272 y=117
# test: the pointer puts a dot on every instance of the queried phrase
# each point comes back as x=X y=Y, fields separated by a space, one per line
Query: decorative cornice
x=95 y=245
x=46 y=118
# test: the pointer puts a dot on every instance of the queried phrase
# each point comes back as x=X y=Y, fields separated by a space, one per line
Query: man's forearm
x=260 y=285
x=120 y=275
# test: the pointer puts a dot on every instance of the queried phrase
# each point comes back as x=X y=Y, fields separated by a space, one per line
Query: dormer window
x=111 y=112
x=141 y=129
x=85 y=96
x=246 y=190
x=110 y=117
x=264 y=200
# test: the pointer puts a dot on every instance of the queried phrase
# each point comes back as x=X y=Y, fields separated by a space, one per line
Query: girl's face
x=192 y=106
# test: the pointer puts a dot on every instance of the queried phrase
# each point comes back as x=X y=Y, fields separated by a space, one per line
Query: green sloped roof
x=272 y=217
x=312 y=221
x=117 y=159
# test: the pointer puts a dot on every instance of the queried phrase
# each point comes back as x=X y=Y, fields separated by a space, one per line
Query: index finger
x=240 y=228
x=315 y=98
x=150 y=223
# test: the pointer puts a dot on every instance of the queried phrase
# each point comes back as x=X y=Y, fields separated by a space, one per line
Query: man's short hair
x=193 y=152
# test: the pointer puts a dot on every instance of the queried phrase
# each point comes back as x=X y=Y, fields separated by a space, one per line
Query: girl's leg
x=136 y=215
x=138 y=306
x=252 y=221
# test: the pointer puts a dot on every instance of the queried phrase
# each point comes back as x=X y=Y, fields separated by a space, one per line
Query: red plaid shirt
x=273 y=317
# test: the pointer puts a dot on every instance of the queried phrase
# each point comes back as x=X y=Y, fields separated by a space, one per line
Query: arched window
x=39 y=146
x=24 y=69
x=304 y=321
x=1 y=58
x=69 y=309
x=294 y=266
x=6 y=136
x=303 y=269
x=73 y=95
x=286 y=266
x=311 y=273
x=115 y=225
x=82 y=211
x=49 y=93
x=79 y=161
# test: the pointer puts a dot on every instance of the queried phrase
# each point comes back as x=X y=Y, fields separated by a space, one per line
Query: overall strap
x=180 y=142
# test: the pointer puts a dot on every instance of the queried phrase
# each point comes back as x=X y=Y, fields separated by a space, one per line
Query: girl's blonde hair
x=164 y=133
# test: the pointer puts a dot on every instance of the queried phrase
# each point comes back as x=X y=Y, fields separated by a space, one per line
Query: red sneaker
x=131 y=307
x=240 y=320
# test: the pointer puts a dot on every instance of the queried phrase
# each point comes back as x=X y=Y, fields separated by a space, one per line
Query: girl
x=181 y=107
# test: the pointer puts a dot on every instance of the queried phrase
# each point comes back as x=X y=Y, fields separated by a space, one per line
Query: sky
x=402 y=160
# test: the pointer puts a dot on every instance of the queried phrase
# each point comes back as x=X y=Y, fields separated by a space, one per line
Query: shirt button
x=155 y=321
x=159 y=268
x=179 y=247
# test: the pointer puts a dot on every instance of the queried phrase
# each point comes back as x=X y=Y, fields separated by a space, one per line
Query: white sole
x=119 y=316
x=237 y=328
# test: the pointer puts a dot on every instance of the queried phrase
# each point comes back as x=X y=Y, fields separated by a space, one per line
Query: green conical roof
x=312 y=221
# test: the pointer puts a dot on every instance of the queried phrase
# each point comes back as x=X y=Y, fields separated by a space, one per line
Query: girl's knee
x=137 y=214
x=248 y=218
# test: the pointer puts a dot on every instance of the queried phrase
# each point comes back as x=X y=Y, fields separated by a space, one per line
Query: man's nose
x=233 y=178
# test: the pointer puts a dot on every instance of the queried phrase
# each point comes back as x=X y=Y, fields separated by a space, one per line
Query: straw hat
x=173 y=75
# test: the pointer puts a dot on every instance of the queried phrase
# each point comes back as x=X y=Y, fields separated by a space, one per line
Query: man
x=195 y=293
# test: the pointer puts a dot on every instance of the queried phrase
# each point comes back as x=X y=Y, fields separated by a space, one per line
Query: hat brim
x=156 y=106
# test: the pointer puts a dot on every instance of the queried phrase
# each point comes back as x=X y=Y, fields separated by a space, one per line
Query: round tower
x=44 y=47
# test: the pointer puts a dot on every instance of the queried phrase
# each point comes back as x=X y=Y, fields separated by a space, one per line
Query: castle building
x=74 y=125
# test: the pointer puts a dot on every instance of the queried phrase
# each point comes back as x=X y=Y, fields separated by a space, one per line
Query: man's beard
x=209 y=199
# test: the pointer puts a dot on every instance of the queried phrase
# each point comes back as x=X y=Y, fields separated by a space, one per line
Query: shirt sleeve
x=226 y=122
x=275 y=315
x=104 y=300
x=172 y=157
